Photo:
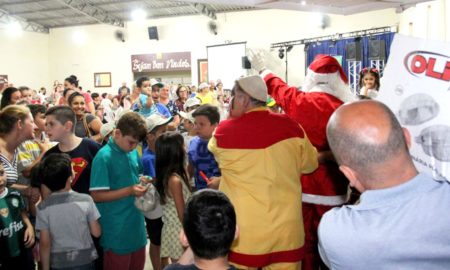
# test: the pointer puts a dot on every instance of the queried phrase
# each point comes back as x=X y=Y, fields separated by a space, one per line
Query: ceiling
x=41 y=15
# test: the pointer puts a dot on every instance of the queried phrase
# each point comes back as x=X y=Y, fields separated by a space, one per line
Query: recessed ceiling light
x=79 y=37
x=303 y=3
x=138 y=15
x=14 y=28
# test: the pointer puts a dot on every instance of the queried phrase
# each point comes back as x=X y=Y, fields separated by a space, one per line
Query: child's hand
x=29 y=237
x=138 y=190
x=214 y=182
x=145 y=179
x=35 y=195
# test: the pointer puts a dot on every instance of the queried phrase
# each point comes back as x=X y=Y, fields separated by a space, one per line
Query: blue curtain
x=337 y=48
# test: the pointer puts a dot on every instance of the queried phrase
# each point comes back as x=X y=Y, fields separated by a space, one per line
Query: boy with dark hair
x=65 y=240
x=201 y=160
x=209 y=229
x=114 y=186
x=16 y=231
x=59 y=125
x=156 y=126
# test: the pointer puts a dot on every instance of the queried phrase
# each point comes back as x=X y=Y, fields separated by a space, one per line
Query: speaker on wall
x=245 y=63
x=353 y=51
x=377 y=50
x=153 y=32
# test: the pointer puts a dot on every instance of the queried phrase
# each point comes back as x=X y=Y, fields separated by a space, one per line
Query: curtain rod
x=338 y=36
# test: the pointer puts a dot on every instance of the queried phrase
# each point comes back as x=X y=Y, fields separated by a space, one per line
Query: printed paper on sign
x=416 y=86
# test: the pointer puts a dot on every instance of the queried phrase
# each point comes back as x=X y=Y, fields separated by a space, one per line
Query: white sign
x=416 y=86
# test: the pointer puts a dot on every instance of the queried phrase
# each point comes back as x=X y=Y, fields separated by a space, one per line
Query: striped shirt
x=10 y=168
x=27 y=153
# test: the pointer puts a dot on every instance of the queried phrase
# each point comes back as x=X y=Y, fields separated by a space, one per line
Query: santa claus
x=325 y=89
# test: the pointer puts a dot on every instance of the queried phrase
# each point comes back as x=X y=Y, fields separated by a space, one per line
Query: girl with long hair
x=172 y=185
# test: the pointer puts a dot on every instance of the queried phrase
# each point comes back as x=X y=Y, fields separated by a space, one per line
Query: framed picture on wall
x=202 y=68
x=102 y=79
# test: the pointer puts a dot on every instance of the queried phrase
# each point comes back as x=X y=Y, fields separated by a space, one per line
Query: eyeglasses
x=365 y=70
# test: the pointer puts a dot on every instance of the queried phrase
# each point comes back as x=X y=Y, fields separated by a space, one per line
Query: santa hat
x=326 y=75
x=327 y=65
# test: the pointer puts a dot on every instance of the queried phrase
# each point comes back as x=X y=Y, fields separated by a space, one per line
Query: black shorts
x=154 y=229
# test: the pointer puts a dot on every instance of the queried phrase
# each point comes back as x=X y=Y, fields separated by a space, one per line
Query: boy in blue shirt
x=114 y=186
x=201 y=160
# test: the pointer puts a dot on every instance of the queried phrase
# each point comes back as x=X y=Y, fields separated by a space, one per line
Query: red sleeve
x=283 y=94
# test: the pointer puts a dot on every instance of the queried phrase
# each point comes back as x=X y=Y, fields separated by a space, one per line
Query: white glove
x=257 y=59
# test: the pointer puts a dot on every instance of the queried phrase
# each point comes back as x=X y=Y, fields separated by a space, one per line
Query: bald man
x=403 y=219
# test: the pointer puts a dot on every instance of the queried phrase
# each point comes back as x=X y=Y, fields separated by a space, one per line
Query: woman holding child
x=16 y=126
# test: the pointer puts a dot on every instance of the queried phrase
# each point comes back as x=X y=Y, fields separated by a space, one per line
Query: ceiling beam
x=110 y=12
x=23 y=3
x=26 y=13
x=93 y=12
x=6 y=18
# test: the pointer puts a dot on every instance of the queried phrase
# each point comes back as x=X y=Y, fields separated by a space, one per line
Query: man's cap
x=203 y=85
x=188 y=116
x=193 y=101
x=156 y=120
x=155 y=82
x=254 y=86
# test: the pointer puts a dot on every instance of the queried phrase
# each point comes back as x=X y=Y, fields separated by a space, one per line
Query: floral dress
x=170 y=238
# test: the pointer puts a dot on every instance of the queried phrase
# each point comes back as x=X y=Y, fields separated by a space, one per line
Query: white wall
x=102 y=52
x=38 y=59
x=427 y=20
x=25 y=59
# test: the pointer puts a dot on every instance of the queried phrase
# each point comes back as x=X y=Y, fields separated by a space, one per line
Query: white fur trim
x=330 y=83
x=265 y=72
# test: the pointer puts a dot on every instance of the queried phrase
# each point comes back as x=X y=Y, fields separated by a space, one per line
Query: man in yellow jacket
x=261 y=156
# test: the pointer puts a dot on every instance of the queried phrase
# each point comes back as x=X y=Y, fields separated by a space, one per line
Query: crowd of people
x=258 y=177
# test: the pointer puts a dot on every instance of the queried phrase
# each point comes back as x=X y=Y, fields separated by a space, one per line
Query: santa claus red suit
x=325 y=89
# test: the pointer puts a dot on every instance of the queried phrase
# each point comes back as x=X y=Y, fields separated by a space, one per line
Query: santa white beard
x=330 y=83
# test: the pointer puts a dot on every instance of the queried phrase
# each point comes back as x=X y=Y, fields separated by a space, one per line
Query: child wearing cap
x=204 y=94
x=191 y=104
x=188 y=134
x=156 y=126
x=201 y=160
x=188 y=122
